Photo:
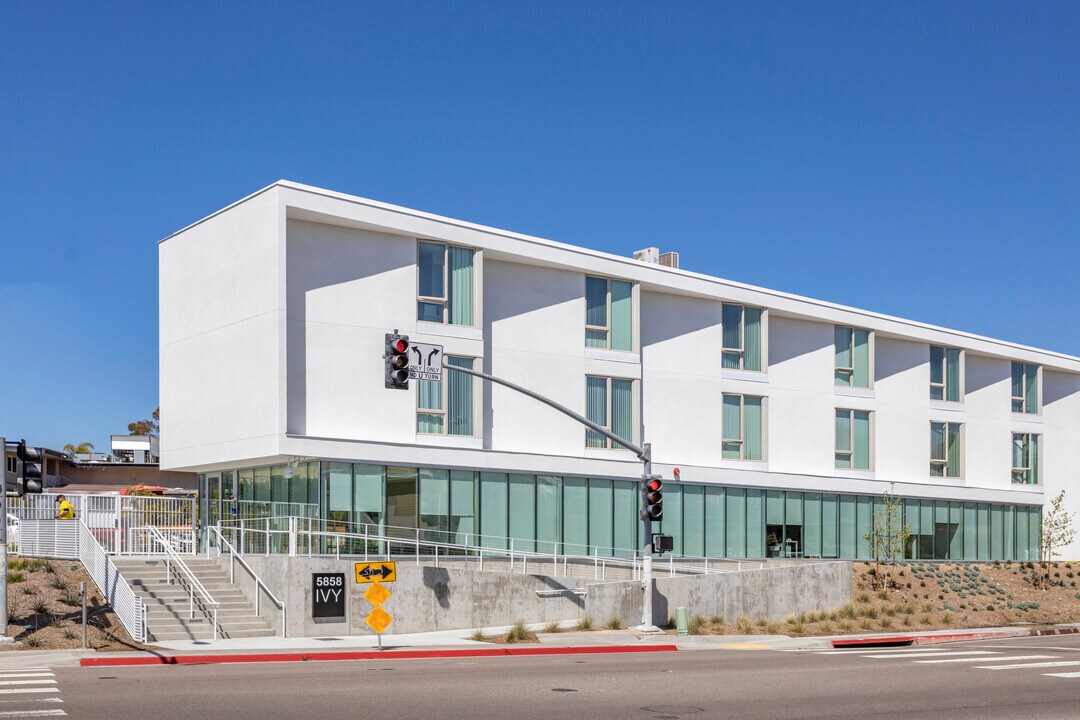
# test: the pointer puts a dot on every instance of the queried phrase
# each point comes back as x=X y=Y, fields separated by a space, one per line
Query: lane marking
x=27 y=674
x=27 y=682
x=981 y=659
x=745 y=646
x=36 y=700
x=13 y=691
x=1062 y=675
x=932 y=654
x=32 y=713
x=1029 y=665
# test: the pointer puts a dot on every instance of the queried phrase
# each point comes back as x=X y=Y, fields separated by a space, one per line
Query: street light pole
x=644 y=453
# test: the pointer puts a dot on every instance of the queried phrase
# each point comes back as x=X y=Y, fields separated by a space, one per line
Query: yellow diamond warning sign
x=378 y=619
x=377 y=594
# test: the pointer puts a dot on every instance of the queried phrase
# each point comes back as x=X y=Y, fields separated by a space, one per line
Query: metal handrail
x=466 y=550
x=233 y=556
x=193 y=584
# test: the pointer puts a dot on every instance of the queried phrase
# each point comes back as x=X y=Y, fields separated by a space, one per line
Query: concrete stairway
x=167 y=605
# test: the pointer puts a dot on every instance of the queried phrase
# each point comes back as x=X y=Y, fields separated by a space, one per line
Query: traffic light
x=397 y=361
x=652 y=497
x=30 y=479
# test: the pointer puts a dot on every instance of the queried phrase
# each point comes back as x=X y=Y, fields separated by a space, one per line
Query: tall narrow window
x=742 y=428
x=945 y=450
x=1025 y=464
x=853 y=439
x=609 y=403
x=1025 y=388
x=445 y=287
x=742 y=338
x=609 y=314
x=944 y=373
x=445 y=407
x=852 y=357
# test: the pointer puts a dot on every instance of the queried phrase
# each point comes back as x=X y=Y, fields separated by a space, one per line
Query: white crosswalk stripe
x=983 y=659
x=916 y=654
x=19 y=683
x=1019 y=666
x=990 y=659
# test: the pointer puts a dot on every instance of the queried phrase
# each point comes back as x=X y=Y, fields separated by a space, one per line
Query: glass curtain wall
x=599 y=516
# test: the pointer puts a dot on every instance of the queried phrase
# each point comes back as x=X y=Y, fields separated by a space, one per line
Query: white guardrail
x=175 y=566
x=72 y=540
x=301 y=536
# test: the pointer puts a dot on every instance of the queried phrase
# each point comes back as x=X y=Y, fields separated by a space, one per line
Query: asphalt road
x=926 y=683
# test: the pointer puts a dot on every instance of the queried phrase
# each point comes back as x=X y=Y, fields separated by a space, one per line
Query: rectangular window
x=742 y=338
x=1025 y=388
x=853 y=439
x=1025 y=463
x=852 y=357
x=445 y=407
x=609 y=403
x=445 y=285
x=742 y=428
x=945 y=450
x=944 y=373
x=609 y=314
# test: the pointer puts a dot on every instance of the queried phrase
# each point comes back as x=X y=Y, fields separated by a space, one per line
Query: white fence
x=118 y=522
x=73 y=540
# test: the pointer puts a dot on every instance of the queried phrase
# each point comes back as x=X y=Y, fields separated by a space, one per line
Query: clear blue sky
x=917 y=159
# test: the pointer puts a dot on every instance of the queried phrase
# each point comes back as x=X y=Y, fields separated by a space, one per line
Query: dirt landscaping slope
x=45 y=611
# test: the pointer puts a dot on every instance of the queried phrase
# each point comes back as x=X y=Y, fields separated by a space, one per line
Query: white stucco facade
x=274 y=310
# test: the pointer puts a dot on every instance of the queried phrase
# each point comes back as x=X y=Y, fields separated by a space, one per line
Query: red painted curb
x=366 y=655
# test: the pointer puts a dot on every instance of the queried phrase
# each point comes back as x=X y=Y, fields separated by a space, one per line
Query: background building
x=789 y=417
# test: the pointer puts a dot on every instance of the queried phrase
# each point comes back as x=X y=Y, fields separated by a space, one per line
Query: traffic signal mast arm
x=643 y=453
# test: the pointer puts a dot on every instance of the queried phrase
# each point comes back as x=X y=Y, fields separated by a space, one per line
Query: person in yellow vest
x=65 y=511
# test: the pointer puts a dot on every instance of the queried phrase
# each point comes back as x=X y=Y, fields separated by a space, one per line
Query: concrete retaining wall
x=426 y=598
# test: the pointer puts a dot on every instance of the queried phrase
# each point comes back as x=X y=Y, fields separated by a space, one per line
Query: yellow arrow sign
x=367 y=572
x=378 y=620
x=377 y=594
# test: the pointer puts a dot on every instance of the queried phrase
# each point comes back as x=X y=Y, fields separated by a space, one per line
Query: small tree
x=1057 y=532
x=146 y=427
x=888 y=535
x=80 y=449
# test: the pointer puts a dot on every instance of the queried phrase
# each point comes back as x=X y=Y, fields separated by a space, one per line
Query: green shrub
x=552 y=627
x=946 y=619
x=478 y=636
x=696 y=625
x=585 y=623
x=518 y=633
x=614 y=624
x=15 y=577
x=745 y=626
x=717 y=620
x=772 y=628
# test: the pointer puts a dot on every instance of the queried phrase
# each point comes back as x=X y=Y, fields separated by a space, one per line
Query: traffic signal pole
x=644 y=453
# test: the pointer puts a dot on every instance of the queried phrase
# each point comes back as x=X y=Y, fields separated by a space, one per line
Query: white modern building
x=789 y=417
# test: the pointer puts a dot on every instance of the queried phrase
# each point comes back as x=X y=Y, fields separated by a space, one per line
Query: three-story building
x=789 y=417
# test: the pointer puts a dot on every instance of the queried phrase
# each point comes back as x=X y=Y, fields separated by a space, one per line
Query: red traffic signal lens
x=654 y=485
x=401 y=345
